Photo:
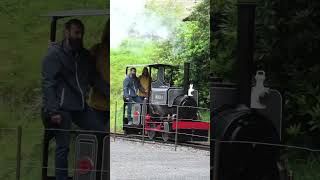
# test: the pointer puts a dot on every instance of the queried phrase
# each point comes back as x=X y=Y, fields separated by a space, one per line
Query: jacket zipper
x=79 y=85
x=134 y=88
x=62 y=97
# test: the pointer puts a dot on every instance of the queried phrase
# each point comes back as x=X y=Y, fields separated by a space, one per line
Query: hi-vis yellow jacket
x=101 y=53
x=144 y=81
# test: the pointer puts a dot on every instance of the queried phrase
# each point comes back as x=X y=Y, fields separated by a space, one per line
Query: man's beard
x=76 y=44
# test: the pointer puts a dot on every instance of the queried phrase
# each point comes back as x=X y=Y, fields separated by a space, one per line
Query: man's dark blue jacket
x=131 y=86
x=66 y=79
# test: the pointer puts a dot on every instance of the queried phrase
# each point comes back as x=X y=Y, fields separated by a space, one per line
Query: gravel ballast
x=134 y=161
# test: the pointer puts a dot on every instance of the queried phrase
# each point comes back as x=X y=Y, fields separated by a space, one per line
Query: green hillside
x=24 y=38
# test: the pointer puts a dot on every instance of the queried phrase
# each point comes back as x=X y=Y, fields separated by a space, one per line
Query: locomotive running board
x=191 y=125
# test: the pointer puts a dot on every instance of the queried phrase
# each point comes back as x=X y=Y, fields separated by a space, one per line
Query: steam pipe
x=245 y=50
x=186 y=75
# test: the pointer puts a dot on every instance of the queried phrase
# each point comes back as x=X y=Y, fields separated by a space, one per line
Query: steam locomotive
x=168 y=108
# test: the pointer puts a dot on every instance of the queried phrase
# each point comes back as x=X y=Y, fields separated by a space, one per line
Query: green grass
x=304 y=165
x=24 y=37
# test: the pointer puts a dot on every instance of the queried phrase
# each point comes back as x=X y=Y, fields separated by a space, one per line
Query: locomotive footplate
x=187 y=131
x=132 y=129
x=192 y=135
x=192 y=130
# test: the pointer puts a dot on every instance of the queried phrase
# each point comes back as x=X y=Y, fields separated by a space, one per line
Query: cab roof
x=78 y=12
x=152 y=65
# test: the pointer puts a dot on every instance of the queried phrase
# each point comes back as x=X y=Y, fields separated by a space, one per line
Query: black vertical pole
x=211 y=128
x=245 y=49
x=53 y=29
x=213 y=28
x=45 y=154
x=19 y=134
x=216 y=161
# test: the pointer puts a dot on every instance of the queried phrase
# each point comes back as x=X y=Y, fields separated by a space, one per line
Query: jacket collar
x=68 y=49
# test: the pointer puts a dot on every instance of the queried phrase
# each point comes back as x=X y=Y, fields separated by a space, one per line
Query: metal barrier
x=12 y=137
x=11 y=140
x=16 y=139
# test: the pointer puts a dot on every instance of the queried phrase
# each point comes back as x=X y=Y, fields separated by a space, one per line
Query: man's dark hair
x=133 y=68
x=75 y=22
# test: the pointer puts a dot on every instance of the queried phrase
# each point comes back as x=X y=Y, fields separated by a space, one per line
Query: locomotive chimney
x=186 y=78
x=245 y=49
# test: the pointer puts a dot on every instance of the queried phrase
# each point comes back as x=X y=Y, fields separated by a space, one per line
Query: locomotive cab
x=161 y=79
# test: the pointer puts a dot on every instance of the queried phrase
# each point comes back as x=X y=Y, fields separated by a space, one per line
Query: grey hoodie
x=66 y=79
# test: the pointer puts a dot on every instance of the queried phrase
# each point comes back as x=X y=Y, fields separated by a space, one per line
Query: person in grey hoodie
x=131 y=85
x=67 y=75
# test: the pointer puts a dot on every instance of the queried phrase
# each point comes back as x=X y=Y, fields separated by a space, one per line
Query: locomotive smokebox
x=186 y=106
x=186 y=77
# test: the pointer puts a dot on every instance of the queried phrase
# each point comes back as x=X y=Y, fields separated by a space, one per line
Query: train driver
x=67 y=72
x=131 y=85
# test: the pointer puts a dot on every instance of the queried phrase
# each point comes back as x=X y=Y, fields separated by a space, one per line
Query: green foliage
x=287 y=48
x=304 y=165
x=294 y=130
x=168 y=10
x=224 y=38
x=190 y=43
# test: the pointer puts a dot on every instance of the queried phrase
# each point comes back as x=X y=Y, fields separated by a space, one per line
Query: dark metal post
x=53 y=29
x=186 y=77
x=176 y=135
x=19 y=134
x=144 y=109
x=211 y=123
x=149 y=92
x=115 y=122
x=45 y=153
x=216 y=159
x=245 y=50
x=209 y=133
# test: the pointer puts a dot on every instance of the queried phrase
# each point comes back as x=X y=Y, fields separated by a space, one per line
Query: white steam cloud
x=130 y=18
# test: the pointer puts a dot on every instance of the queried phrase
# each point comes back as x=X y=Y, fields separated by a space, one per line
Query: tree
x=190 y=43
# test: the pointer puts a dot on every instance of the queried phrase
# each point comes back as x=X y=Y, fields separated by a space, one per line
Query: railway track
x=138 y=138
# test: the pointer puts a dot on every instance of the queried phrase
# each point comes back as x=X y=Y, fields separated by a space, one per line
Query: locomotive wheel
x=152 y=134
x=166 y=131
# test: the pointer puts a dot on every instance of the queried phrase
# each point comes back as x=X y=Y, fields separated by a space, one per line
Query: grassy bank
x=24 y=39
